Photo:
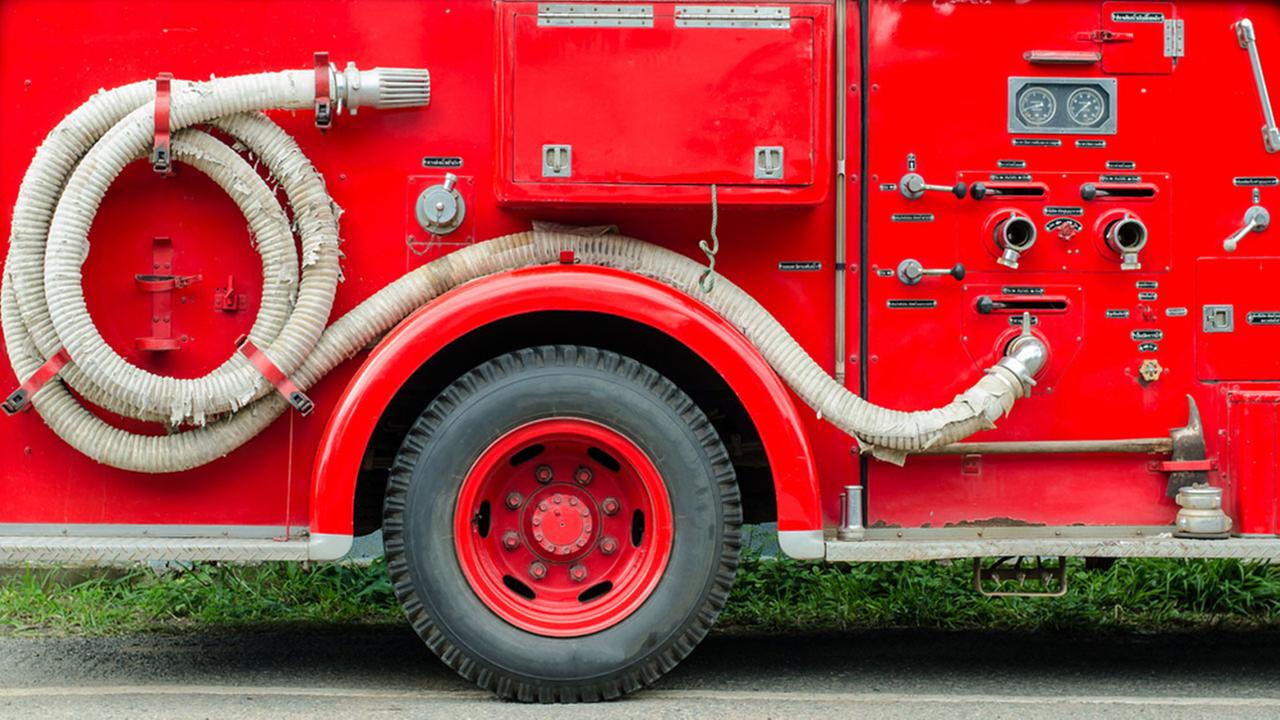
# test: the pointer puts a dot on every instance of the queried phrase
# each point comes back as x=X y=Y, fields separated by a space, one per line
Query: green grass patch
x=1140 y=595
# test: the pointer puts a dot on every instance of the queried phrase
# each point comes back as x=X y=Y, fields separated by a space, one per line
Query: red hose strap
x=324 y=106
x=284 y=385
x=20 y=399
x=161 y=157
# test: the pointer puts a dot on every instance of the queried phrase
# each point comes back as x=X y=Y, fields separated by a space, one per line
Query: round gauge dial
x=1037 y=106
x=1086 y=106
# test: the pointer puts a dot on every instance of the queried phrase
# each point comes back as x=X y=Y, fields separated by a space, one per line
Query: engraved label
x=800 y=266
x=1175 y=312
x=1118 y=179
x=1016 y=321
x=1011 y=164
x=913 y=217
x=1147 y=285
x=433 y=161
x=1146 y=335
x=1269 y=317
x=888 y=187
x=1255 y=181
x=1063 y=211
x=1150 y=18
x=1091 y=144
x=1148 y=296
x=1037 y=142
x=1121 y=165
x=1012 y=290
x=1118 y=314
x=1148 y=347
x=1010 y=177
x=912 y=304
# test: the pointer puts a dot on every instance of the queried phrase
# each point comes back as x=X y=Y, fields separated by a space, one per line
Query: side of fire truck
x=559 y=295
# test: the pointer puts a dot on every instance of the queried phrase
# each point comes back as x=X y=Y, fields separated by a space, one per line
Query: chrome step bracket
x=1249 y=42
x=1030 y=575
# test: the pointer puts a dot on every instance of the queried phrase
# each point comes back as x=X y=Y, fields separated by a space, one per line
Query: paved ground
x=380 y=672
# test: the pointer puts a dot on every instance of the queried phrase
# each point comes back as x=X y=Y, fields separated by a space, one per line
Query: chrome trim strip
x=128 y=530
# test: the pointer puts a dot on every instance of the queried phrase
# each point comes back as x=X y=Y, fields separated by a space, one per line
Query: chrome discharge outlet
x=851 y=514
x=381 y=88
x=1126 y=236
x=1201 y=515
x=1014 y=235
x=1025 y=356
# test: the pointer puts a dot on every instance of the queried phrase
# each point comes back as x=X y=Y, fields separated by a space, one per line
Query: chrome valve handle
x=1249 y=41
x=1256 y=219
x=913 y=187
x=911 y=272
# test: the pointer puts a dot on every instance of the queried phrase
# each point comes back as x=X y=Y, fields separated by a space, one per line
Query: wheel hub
x=562 y=522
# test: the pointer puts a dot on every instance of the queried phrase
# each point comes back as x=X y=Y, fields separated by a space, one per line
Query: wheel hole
x=595 y=591
x=483 y=518
x=604 y=459
x=520 y=588
x=637 y=528
x=526 y=454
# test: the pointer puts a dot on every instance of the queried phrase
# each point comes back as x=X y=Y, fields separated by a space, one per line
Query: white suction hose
x=43 y=307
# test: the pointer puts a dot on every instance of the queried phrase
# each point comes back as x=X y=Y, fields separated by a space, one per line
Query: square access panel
x=629 y=102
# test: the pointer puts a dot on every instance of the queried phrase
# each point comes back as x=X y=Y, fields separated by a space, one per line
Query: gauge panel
x=1062 y=106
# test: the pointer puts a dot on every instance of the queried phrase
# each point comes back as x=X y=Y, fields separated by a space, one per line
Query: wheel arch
x=677 y=335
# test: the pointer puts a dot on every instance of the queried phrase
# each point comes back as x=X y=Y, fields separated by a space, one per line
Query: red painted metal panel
x=1253 y=434
x=1245 y=287
x=582 y=289
x=1138 y=32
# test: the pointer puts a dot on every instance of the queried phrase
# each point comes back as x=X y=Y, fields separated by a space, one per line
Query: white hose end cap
x=383 y=88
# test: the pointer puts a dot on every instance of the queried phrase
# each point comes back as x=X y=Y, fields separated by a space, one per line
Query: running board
x=105 y=551
x=1164 y=546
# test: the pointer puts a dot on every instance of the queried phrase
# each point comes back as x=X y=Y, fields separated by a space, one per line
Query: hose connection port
x=1014 y=234
x=1125 y=235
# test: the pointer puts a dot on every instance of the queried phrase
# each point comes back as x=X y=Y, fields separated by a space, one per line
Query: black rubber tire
x=503 y=394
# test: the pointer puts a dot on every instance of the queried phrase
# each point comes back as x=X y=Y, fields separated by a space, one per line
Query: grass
x=774 y=595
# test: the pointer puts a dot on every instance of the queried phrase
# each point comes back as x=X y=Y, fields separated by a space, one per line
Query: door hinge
x=1175 y=45
x=583 y=15
x=733 y=16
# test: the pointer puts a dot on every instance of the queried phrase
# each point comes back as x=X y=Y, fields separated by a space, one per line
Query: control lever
x=1249 y=41
x=911 y=272
x=1256 y=219
x=913 y=187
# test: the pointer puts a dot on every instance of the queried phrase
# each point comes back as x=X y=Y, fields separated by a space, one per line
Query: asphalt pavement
x=385 y=672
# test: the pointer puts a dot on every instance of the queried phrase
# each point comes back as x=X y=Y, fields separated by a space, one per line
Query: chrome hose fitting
x=1014 y=235
x=1126 y=236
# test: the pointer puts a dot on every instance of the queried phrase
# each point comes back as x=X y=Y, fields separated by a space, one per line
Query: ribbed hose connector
x=382 y=88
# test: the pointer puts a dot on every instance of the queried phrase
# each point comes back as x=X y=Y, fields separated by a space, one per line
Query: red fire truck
x=558 y=295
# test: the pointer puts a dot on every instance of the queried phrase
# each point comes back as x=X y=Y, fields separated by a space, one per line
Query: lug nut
x=544 y=474
x=582 y=475
x=610 y=506
x=511 y=540
x=578 y=573
x=514 y=500
x=537 y=570
x=608 y=546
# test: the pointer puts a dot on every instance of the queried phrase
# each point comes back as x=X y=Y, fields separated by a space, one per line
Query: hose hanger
x=161 y=157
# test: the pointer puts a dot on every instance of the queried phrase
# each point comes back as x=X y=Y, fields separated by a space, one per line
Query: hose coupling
x=381 y=88
x=1025 y=356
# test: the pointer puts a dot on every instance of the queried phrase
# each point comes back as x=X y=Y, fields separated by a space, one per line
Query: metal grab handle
x=1256 y=219
x=911 y=272
x=1249 y=41
x=913 y=187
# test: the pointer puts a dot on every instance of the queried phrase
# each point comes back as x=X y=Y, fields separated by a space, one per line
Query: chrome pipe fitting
x=1126 y=236
x=851 y=514
x=1014 y=235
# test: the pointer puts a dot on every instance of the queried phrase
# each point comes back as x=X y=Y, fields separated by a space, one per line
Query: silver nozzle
x=382 y=88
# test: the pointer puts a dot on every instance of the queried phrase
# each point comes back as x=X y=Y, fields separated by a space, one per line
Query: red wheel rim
x=563 y=527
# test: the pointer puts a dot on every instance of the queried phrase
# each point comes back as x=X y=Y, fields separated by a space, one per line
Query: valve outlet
x=1124 y=235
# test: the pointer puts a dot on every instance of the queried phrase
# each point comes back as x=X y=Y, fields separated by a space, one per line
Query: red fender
x=560 y=288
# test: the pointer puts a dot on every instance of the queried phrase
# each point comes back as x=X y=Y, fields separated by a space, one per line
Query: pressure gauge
x=1037 y=106
x=1085 y=106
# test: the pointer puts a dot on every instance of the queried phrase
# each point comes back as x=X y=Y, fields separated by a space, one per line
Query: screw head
x=611 y=506
x=608 y=546
x=543 y=474
x=514 y=500
x=537 y=570
x=511 y=540
x=582 y=475
x=578 y=573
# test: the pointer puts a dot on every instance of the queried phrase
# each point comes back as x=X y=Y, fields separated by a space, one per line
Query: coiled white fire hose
x=44 y=311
